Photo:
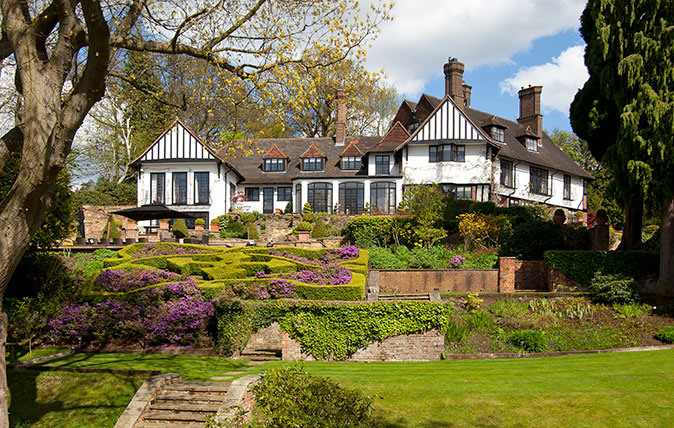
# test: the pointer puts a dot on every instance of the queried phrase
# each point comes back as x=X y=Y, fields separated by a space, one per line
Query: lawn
x=200 y=368
x=68 y=400
x=602 y=390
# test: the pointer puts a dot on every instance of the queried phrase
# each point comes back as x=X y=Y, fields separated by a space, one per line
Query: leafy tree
x=106 y=193
x=67 y=52
x=625 y=109
x=427 y=203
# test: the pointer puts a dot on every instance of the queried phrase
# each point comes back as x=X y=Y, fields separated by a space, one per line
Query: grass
x=192 y=367
x=602 y=390
x=20 y=353
x=68 y=400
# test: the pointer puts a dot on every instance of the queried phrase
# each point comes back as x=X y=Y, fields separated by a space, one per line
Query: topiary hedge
x=179 y=229
x=325 y=330
x=581 y=266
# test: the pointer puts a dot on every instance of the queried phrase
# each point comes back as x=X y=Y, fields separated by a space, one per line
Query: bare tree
x=66 y=49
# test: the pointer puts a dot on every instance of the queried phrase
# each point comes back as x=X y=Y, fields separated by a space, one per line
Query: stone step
x=220 y=387
x=175 y=416
x=408 y=296
x=169 y=425
x=165 y=397
x=185 y=407
x=261 y=355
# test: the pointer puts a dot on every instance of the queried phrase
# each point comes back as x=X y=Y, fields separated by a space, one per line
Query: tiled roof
x=275 y=153
x=548 y=155
x=352 y=149
x=492 y=121
x=394 y=138
x=251 y=166
x=312 y=152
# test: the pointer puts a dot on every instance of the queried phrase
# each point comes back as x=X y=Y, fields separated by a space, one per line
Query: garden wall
x=442 y=280
x=426 y=346
x=94 y=217
x=522 y=275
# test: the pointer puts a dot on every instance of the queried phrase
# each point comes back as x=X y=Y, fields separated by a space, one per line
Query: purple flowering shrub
x=171 y=314
x=277 y=289
x=122 y=280
x=332 y=255
x=456 y=261
x=329 y=274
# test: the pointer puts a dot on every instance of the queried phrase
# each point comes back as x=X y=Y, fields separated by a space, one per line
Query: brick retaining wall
x=443 y=281
x=522 y=275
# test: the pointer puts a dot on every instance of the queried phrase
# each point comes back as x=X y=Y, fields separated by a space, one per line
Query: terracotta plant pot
x=303 y=235
x=215 y=227
x=198 y=227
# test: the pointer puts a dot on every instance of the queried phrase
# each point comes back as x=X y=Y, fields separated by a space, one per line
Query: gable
x=177 y=143
x=447 y=122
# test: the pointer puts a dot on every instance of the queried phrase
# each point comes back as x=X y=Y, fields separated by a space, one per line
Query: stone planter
x=198 y=227
x=104 y=241
x=303 y=235
x=215 y=227
x=558 y=219
x=80 y=240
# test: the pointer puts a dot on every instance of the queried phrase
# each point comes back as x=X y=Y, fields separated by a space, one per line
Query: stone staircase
x=184 y=405
x=261 y=354
x=408 y=297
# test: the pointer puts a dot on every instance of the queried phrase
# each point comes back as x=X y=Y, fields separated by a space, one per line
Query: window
x=459 y=191
x=567 y=186
x=179 y=188
x=252 y=193
x=383 y=197
x=381 y=163
x=538 y=180
x=532 y=144
x=312 y=164
x=319 y=196
x=157 y=186
x=274 y=165
x=507 y=173
x=413 y=126
x=189 y=222
x=351 y=198
x=498 y=133
x=351 y=162
x=284 y=193
x=298 y=198
x=201 y=195
x=447 y=152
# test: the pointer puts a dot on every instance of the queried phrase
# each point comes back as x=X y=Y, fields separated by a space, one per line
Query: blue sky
x=504 y=44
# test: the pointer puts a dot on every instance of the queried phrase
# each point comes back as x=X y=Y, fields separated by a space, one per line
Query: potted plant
x=303 y=231
x=180 y=230
x=199 y=224
x=215 y=225
x=559 y=217
x=602 y=217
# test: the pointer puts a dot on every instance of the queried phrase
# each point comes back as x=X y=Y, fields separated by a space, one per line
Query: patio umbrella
x=151 y=212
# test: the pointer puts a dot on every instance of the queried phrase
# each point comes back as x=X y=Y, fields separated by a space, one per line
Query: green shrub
x=528 y=341
x=289 y=206
x=39 y=272
x=230 y=228
x=666 y=335
x=179 y=229
x=199 y=222
x=309 y=217
x=304 y=227
x=253 y=233
x=581 y=266
x=306 y=209
x=247 y=218
x=632 y=310
x=290 y=397
x=114 y=232
x=615 y=288
x=383 y=258
x=529 y=240
x=369 y=232
x=319 y=230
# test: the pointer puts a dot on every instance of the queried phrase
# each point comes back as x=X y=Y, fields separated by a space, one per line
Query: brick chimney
x=340 y=121
x=454 y=80
x=530 y=110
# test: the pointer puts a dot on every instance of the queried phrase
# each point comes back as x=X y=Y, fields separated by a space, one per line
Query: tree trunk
x=4 y=395
x=667 y=248
x=634 y=216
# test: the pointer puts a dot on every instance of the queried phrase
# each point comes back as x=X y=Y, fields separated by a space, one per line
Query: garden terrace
x=325 y=274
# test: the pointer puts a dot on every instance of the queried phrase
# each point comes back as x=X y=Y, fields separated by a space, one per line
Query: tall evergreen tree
x=625 y=111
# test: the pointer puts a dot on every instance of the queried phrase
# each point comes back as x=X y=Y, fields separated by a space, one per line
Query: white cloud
x=561 y=78
x=424 y=33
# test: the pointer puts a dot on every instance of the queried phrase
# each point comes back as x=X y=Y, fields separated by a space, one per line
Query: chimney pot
x=530 y=109
x=454 y=85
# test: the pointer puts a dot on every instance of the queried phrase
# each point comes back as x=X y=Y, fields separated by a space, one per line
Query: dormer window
x=274 y=165
x=312 y=164
x=352 y=162
x=532 y=144
x=498 y=133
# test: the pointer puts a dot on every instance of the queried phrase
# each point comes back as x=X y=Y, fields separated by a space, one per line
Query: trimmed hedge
x=325 y=330
x=581 y=266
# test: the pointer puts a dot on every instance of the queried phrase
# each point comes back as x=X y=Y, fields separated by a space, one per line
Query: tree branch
x=214 y=42
x=138 y=87
x=12 y=142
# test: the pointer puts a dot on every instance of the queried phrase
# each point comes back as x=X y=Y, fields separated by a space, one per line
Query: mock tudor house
x=472 y=154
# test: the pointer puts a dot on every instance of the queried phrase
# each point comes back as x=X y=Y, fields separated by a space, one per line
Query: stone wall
x=522 y=275
x=443 y=281
x=94 y=217
x=268 y=338
x=426 y=346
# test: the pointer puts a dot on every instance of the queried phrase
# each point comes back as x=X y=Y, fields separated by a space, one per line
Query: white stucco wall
x=555 y=186
x=394 y=169
x=475 y=170
x=250 y=206
x=217 y=185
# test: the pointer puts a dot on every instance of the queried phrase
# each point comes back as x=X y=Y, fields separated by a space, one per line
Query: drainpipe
x=552 y=180
x=514 y=181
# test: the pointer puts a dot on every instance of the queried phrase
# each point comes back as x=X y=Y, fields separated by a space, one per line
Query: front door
x=268 y=200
